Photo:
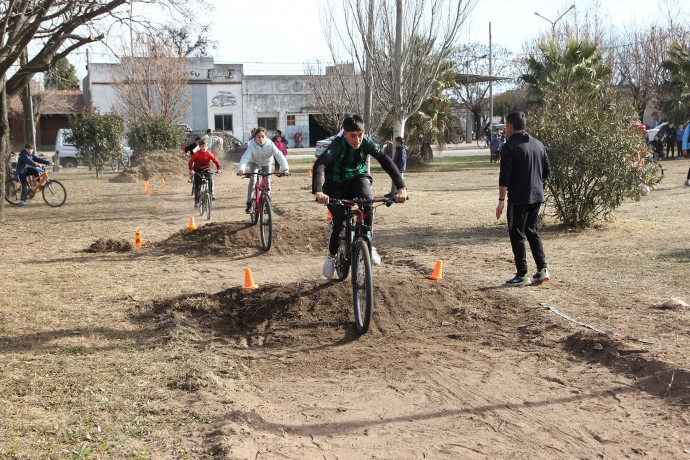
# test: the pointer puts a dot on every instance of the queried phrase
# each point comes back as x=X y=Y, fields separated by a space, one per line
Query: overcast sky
x=279 y=36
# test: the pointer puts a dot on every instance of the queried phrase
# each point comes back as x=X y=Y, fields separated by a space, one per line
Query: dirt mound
x=308 y=313
x=109 y=245
x=152 y=165
x=654 y=376
x=241 y=239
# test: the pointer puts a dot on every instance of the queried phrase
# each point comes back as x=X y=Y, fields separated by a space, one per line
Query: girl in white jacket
x=259 y=155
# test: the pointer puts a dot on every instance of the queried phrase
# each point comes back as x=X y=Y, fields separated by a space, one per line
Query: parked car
x=69 y=155
x=322 y=145
x=654 y=131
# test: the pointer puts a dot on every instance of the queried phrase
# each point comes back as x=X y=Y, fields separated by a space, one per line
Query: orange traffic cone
x=437 y=274
x=148 y=190
x=329 y=216
x=309 y=173
x=249 y=280
x=146 y=186
x=192 y=225
x=137 y=240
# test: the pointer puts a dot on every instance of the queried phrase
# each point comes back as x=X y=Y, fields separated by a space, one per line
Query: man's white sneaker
x=375 y=257
x=329 y=267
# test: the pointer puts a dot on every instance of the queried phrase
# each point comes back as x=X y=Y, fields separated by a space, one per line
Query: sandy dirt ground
x=158 y=352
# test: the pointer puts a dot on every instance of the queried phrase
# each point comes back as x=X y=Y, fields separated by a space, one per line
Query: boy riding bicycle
x=199 y=165
x=27 y=162
x=259 y=156
x=344 y=167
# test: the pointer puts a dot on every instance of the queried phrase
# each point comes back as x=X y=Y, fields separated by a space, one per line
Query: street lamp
x=553 y=23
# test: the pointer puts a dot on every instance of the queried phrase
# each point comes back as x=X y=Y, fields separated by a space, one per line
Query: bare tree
x=152 y=82
x=54 y=29
x=411 y=41
x=338 y=92
x=472 y=59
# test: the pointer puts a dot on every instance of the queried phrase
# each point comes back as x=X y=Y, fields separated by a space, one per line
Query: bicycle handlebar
x=387 y=200
x=250 y=174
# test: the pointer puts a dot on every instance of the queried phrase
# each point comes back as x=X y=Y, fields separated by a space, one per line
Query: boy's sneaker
x=213 y=197
x=375 y=257
x=687 y=182
x=329 y=267
x=541 y=275
x=519 y=281
x=21 y=204
x=196 y=204
x=248 y=209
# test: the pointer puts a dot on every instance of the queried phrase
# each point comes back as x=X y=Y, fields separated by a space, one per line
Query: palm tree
x=578 y=68
x=675 y=93
x=434 y=122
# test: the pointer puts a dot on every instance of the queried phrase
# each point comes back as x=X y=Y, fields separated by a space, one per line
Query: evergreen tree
x=62 y=75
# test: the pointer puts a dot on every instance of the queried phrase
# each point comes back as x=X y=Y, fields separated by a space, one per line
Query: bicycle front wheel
x=207 y=201
x=362 y=287
x=54 y=193
x=13 y=191
x=266 y=223
x=202 y=203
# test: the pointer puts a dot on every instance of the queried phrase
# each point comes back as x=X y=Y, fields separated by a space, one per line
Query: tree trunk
x=398 y=109
x=426 y=153
x=4 y=143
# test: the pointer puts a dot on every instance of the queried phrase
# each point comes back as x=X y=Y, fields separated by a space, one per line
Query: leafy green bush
x=98 y=138
x=154 y=134
x=597 y=155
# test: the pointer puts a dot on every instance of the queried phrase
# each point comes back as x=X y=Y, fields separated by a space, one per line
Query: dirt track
x=159 y=353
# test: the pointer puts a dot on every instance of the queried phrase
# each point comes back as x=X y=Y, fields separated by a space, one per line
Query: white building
x=224 y=99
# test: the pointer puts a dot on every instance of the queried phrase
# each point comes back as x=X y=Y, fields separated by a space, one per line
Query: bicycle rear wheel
x=342 y=257
x=362 y=287
x=266 y=223
x=54 y=193
x=253 y=212
x=13 y=191
x=207 y=202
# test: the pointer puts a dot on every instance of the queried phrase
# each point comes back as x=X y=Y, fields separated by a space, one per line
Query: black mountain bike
x=354 y=252
x=205 y=198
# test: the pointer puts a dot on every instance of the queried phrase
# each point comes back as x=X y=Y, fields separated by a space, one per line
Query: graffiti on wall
x=223 y=99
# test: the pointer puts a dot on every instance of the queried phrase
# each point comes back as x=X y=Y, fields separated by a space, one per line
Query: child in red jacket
x=199 y=165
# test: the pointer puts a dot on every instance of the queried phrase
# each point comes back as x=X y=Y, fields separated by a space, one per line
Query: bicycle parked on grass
x=54 y=193
x=354 y=252
x=120 y=162
x=205 y=196
x=261 y=210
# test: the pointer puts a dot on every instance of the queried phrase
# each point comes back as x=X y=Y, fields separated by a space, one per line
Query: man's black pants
x=522 y=223
x=358 y=187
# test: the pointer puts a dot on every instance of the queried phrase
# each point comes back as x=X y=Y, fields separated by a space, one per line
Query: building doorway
x=316 y=131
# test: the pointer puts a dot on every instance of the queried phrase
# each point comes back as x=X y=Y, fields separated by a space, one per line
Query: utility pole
x=491 y=88
x=28 y=106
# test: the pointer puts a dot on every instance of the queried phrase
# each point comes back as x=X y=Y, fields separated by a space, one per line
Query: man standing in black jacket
x=524 y=167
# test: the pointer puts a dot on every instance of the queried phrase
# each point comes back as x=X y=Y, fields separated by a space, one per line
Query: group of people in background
x=670 y=138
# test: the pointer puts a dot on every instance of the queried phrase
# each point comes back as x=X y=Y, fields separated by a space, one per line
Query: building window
x=270 y=123
x=223 y=122
x=291 y=120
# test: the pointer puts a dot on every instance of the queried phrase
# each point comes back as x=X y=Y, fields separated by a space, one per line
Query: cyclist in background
x=200 y=163
x=259 y=156
x=343 y=166
x=27 y=162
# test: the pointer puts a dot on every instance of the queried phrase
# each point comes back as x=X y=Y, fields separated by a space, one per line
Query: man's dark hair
x=517 y=119
x=28 y=146
x=353 y=123
x=400 y=139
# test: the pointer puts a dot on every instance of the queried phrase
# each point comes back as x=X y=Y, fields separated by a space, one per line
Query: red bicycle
x=261 y=210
